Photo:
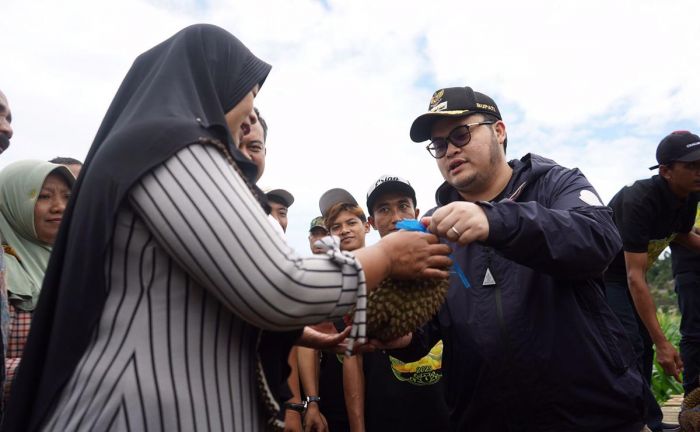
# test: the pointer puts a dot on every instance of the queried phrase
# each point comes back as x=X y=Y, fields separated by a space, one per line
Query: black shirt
x=405 y=396
x=683 y=259
x=648 y=216
x=330 y=389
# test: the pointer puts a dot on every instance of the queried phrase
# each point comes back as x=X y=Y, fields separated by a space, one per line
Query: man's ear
x=500 y=129
x=371 y=222
x=417 y=213
x=367 y=227
x=665 y=172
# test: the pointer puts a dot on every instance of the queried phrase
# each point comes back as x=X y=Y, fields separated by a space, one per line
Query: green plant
x=662 y=385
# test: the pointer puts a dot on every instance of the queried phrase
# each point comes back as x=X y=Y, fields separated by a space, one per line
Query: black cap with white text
x=678 y=146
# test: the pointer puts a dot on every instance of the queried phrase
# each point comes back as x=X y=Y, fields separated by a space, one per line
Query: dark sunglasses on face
x=459 y=137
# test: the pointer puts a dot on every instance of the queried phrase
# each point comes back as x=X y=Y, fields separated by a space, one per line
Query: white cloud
x=590 y=84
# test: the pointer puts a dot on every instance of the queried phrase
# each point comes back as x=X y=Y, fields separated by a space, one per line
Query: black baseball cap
x=452 y=102
x=281 y=196
x=388 y=183
x=334 y=196
x=678 y=146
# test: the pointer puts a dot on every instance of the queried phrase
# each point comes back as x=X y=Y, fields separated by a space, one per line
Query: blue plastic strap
x=416 y=225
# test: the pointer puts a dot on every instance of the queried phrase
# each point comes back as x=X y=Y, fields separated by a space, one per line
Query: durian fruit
x=397 y=307
x=689 y=417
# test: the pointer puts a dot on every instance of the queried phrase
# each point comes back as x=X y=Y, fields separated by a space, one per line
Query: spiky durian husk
x=398 y=307
x=689 y=417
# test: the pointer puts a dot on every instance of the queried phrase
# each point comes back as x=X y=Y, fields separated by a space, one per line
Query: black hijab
x=173 y=95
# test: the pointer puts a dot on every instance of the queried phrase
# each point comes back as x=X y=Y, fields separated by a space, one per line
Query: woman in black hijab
x=166 y=267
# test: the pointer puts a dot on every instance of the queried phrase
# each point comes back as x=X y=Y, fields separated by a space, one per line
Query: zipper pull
x=488 y=279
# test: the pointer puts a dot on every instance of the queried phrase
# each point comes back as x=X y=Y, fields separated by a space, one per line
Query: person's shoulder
x=547 y=170
x=639 y=189
x=541 y=165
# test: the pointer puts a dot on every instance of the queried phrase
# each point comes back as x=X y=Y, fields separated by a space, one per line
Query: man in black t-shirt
x=401 y=396
x=650 y=214
x=686 y=272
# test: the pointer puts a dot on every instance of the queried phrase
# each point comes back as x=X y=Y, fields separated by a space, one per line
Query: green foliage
x=662 y=385
x=660 y=280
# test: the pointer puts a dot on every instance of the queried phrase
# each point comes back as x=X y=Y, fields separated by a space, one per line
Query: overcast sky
x=590 y=84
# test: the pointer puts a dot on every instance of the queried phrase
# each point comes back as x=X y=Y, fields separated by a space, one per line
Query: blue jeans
x=620 y=301
x=688 y=291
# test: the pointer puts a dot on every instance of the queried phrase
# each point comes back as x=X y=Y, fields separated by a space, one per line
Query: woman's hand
x=324 y=336
x=415 y=255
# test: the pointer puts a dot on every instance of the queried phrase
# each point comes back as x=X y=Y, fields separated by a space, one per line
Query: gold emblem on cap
x=437 y=97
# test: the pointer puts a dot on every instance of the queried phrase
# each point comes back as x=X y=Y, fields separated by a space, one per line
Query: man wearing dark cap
x=529 y=342
x=651 y=214
x=402 y=396
x=389 y=200
x=280 y=200
x=686 y=273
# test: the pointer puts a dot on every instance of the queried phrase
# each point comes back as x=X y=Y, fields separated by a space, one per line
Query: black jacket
x=538 y=349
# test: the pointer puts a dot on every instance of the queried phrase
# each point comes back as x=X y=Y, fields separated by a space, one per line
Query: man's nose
x=5 y=127
x=452 y=149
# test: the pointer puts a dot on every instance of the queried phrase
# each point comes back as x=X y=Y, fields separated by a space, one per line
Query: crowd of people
x=154 y=289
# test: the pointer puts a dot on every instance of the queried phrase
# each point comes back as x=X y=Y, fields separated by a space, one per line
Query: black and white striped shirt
x=194 y=270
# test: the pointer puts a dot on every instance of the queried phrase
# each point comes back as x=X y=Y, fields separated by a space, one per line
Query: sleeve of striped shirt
x=203 y=214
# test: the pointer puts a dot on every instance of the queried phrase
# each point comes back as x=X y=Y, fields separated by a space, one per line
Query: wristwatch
x=298 y=407
x=310 y=399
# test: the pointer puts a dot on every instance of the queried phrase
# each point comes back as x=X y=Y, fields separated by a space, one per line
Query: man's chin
x=386 y=233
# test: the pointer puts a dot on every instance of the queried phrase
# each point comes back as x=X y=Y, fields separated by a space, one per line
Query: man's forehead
x=344 y=216
x=392 y=198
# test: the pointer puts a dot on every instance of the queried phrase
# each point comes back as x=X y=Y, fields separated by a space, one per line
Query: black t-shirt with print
x=404 y=396
x=648 y=216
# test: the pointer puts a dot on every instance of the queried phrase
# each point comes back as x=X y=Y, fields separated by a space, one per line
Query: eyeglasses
x=459 y=137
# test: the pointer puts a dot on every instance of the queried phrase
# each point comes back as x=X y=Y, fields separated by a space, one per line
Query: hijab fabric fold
x=174 y=95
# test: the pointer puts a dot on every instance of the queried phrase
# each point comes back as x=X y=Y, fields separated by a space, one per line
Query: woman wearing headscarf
x=33 y=196
x=166 y=267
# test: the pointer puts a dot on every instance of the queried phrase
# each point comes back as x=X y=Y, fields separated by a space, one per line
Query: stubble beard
x=479 y=181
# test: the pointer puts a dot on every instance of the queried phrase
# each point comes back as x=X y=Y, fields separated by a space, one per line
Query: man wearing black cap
x=651 y=214
x=529 y=342
x=686 y=273
x=402 y=396
x=280 y=200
